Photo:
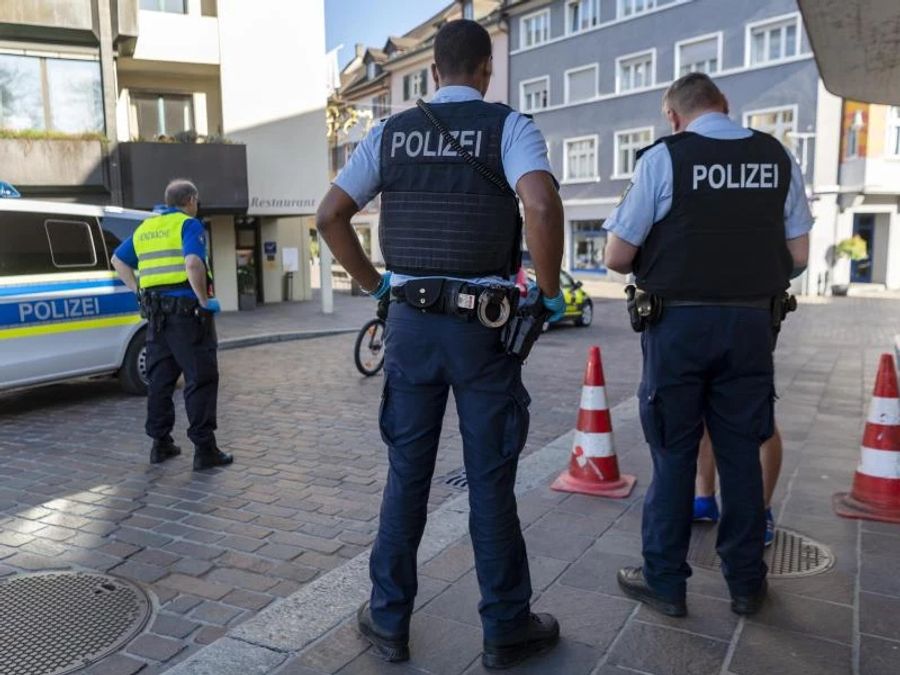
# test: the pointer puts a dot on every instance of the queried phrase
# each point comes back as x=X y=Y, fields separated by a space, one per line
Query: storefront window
x=365 y=239
x=588 y=246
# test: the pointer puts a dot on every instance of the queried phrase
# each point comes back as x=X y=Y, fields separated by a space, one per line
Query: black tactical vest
x=723 y=238
x=438 y=215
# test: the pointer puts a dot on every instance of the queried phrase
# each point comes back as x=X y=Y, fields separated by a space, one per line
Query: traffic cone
x=593 y=467
x=876 y=486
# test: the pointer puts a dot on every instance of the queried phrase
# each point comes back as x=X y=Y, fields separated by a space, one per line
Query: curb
x=286 y=628
x=285 y=336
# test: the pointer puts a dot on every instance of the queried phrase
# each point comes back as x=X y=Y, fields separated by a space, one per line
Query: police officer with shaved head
x=449 y=174
x=175 y=283
x=713 y=226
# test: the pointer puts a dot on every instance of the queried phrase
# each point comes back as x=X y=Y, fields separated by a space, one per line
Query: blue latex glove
x=212 y=305
x=383 y=288
x=556 y=306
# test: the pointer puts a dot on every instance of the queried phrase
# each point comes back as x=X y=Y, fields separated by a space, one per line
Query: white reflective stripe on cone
x=594 y=445
x=879 y=463
x=884 y=411
x=593 y=398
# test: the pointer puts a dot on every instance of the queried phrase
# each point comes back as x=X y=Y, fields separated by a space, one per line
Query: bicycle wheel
x=369 y=351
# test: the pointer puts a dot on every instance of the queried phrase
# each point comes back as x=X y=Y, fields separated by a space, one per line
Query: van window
x=25 y=249
x=117 y=229
x=71 y=244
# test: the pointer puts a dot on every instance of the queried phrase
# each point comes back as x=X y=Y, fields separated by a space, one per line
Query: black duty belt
x=759 y=303
x=156 y=304
x=491 y=304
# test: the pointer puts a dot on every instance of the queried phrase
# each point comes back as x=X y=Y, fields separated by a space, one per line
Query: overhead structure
x=857 y=47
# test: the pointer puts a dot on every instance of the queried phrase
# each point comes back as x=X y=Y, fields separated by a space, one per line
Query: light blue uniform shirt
x=522 y=151
x=649 y=198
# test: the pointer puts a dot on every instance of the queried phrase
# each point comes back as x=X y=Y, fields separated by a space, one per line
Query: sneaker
x=706 y=510
x=540 y=635
x=770 y=528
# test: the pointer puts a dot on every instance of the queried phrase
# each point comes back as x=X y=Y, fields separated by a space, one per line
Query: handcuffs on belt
x=491 y=304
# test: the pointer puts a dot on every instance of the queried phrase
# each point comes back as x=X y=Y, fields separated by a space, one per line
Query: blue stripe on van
x=6 y=291
x=30 y=312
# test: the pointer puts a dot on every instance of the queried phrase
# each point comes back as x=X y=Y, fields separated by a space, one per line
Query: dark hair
x=460 y=47
x=179 y=192
x=692 y=93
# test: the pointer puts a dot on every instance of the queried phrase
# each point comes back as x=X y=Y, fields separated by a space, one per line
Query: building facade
x=104 y=101
x=381 y=82
x=592 y=72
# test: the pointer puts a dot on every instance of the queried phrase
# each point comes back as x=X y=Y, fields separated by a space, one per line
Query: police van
x=63 y=311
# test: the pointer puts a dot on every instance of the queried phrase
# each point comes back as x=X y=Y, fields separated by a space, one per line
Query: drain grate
x=55 y=623
x=456 y=479
x=790 y=555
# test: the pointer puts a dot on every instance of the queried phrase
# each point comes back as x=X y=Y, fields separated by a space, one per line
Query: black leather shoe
x=209 y=459
x=631 y=581
x=392 y=648
x=540 y=635
x=162 y=450
x=747 y=605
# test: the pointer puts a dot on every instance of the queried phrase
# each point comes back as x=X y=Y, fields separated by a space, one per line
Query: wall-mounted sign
x=290 y=259
x=270 y=248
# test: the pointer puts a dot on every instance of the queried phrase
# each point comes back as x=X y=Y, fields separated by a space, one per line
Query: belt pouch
x=424 y=294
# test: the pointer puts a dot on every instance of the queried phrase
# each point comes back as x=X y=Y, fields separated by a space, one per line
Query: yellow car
x=579 y=306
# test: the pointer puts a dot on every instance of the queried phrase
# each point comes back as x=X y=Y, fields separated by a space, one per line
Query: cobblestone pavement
x=302 y=498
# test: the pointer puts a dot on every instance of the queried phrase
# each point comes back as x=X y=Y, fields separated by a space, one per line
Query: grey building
x=592 y=72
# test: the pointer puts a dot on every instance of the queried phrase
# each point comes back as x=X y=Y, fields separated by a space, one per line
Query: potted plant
x=854 y=249
x=246 y=283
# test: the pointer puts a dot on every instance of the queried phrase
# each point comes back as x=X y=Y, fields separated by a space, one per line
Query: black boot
x=209 y=457
x=540 y=635
x=163 y=449
x=748 y=605
x=634 y=585
x=392 y=648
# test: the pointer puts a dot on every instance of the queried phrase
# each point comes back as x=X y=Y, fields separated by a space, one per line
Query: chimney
x=360 y=50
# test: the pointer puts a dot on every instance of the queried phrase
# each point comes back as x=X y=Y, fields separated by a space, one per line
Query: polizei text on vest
x=432 y=144
x=736 y=176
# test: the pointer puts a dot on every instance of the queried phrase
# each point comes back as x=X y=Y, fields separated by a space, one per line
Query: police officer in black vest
x=713 y=227
x=451 y=238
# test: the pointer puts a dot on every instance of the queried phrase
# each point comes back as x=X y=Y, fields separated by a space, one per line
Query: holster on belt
x=524 y=328
x=644 y=309
x=782 y=305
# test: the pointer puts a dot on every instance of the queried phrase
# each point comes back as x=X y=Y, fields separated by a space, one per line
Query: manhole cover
x=456 y=479
x=790 y=555
x=59 y=622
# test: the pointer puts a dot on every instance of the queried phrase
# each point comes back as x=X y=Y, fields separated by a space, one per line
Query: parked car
x=63 y=311
x=579 y=306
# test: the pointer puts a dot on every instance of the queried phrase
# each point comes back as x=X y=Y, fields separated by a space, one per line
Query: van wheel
x=133 y=373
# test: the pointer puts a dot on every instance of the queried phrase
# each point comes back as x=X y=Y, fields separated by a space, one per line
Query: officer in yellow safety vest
x=175 y=284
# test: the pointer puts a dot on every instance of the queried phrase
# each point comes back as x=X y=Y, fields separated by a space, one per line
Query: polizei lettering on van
x=59 y=308
x=734 y=176
x=428 y=144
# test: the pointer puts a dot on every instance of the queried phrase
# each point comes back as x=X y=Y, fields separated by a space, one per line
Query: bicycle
x=369 y=350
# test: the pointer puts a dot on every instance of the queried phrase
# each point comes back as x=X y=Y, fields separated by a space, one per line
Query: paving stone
x=763 y=650
x=590 y=618
x=459 y=602
x=307 y=542
x=174 y=626
x=596 y=571
x=806 y=615
x=155 y=647
x=878 y=656
x=285 y=588
x=245 y=544
x=152 y=556
x=35 y=563
x=295 y=572
x=279 y=551
x=193 y=586
x=14 y=539
x=555 y=543
x=452 y=563
x=878 y=615
x=192 y=550
x=332 y=652
x=320 y=561
x=568 y=657
x=249 y=599
x=544 y=571
x=711 y=617
x=241 y=579
x=191 y=567
x=574 y=523
x=140 y=537
x=137 y=572
x=215 y=612
x=115 y=664
x=209 y=634
x=182 y=604
x=369 y=664
x=673 y=652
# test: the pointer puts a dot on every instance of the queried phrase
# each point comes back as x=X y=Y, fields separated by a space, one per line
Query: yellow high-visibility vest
x=158 y=245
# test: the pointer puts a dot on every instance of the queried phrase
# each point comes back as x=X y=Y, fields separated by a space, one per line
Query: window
x=371 y=70
x=588 y=247
x=71 y=244
x=50 y=94
x=535 y=94
x=853 y=134
x=635 y=71
x=535 y=29
x=893 y=129
x=627 y=145
x=468 y=10
x=582 y=14
x=117 y=229
x=779 y=122
x=628 y=8
x=698 y=55
x=163 y=114
x=773 y=41
x=381 y=106
x=580 y=159
x=581 y=84
x=415 y=85
x=170 y=6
